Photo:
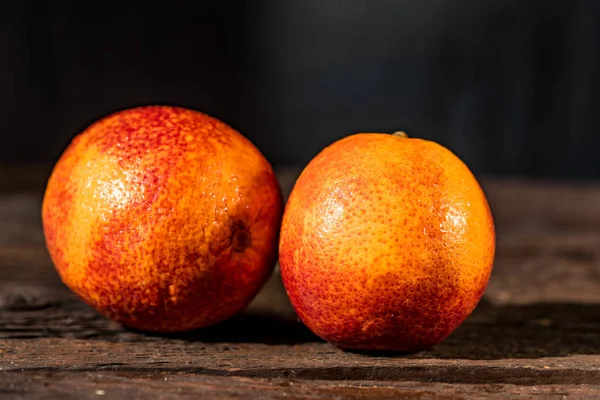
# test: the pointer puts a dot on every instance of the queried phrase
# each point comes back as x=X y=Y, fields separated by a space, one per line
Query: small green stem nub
x=400 y=134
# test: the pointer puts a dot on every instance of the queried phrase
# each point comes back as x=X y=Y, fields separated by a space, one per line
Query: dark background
x=510 y=86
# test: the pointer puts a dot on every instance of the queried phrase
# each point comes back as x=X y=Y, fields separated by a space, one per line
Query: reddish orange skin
x=162 y=218
x=387 y=243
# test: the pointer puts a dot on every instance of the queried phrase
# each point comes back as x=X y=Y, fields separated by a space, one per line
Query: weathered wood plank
x=48 y=310
x=537 y=331
x=311 y=360
x=181 y=385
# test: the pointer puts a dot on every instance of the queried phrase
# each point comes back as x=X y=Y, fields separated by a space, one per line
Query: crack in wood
x=439 y=374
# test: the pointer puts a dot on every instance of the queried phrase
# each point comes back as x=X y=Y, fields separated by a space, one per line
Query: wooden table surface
x=536 y=333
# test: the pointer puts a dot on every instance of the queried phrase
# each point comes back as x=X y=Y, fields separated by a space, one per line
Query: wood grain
x=536 y=332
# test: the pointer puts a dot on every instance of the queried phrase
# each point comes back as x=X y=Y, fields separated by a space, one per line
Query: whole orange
x=163 y=218
x=387 y=243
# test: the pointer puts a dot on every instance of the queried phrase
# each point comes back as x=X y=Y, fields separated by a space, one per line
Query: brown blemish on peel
x=240 y=239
